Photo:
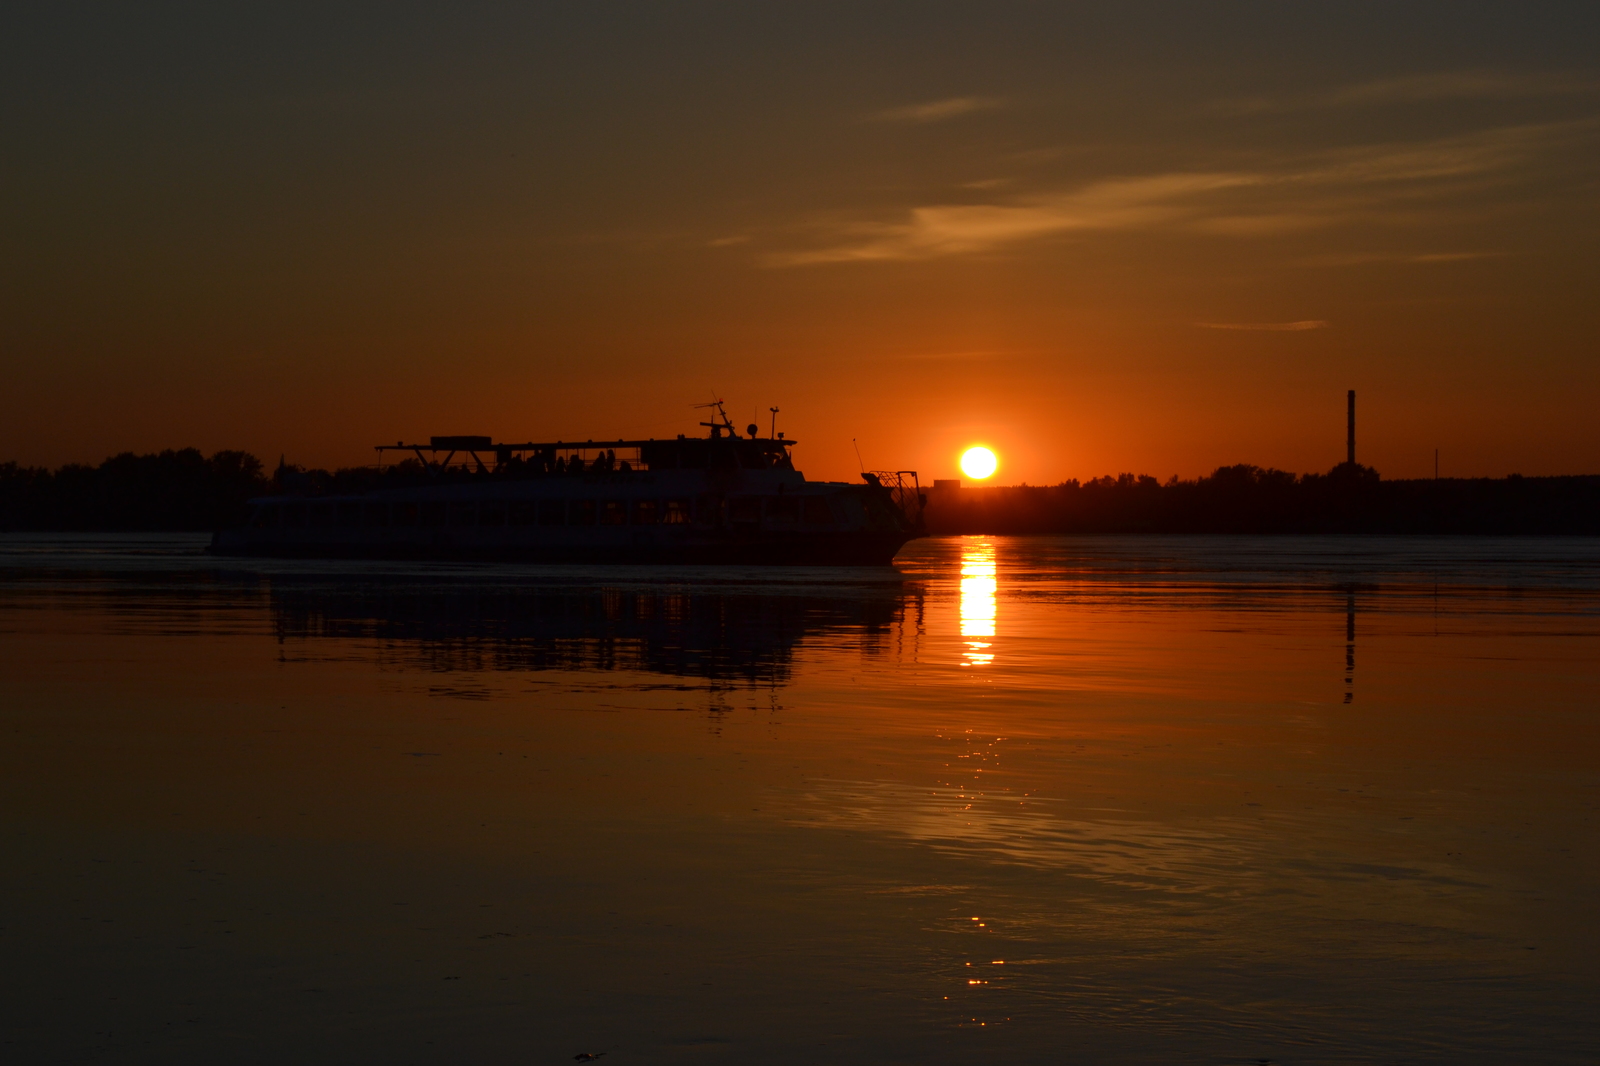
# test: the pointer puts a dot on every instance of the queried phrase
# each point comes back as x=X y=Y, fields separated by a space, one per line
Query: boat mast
x=721 y=422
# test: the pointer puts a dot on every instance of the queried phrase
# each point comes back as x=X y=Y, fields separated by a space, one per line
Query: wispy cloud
x=1280 y=196
x=1340 y=259
x=1461 y=85
x=1269 y=327
x=1425 y=88
x=975 y=354
x=938 y=110
x=965 y=228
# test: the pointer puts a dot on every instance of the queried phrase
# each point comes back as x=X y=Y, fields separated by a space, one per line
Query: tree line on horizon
x=168 y=491
x=1350 y=498
x=184 y=490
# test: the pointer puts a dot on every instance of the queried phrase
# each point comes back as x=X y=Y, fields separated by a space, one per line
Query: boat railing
x=482 y=455
x=586 y=458
x=903 y=489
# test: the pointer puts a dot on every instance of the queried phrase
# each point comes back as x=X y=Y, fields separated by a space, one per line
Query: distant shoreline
x=1246 y=499
x=185 y=491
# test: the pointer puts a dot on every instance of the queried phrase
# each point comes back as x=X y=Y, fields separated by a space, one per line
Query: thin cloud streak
x=1424 y=88
x=1269 y=327
x=959 y=229
x=1366 y=258
x=1315 y=191
x=1452 y=257
x=1462 y=85
x=938 y=110
x=983 y=353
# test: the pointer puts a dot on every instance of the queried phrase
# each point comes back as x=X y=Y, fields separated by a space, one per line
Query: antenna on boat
x=722 y=421
x=773 y=432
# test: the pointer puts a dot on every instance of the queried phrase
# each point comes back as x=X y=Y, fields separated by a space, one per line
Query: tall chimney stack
x=1350 y=442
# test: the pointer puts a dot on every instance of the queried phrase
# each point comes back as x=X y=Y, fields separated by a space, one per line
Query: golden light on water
x=978 y=588
x=979 y=463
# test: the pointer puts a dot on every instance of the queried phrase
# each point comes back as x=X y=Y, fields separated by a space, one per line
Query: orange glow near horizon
x=979 y=463
x=905 y=264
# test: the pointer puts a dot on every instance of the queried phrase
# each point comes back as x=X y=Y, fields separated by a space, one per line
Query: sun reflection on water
x=978 y=602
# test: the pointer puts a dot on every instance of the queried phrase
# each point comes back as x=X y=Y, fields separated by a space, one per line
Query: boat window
x=645 y=513
x=377 y=514
x=784 y=509
x=432 y=513
x=613 y=513
x=744 y=509
x=580 y=513
x=708 y=508
x=349 y=513
x=405 y=514
x=675 y=512
x=463 y=514
x=552 y=512
x=322 y=514
x=817 y=511
x=263 y=517
x=522 y=512
x=492 y=514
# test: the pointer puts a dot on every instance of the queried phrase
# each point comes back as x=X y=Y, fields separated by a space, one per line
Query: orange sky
x=1154 y=241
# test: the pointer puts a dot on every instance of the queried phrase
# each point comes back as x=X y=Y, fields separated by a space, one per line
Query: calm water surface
x=1120 y=800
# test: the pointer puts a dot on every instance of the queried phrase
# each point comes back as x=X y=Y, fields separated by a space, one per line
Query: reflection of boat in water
x=729 y=636
x=717 y=499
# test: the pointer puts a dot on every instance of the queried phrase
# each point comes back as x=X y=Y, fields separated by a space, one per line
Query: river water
x=1115 y=799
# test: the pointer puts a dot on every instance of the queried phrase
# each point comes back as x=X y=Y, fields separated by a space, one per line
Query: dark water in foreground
x=1119 y=800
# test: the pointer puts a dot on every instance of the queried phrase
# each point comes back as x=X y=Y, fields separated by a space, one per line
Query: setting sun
x=978 y=463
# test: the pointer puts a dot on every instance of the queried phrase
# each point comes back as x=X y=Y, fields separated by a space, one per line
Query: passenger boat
x=721 y=498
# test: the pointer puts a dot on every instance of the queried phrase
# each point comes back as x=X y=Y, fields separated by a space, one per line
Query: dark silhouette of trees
x=170 y=490
x=184 y=490
x=1350 y=498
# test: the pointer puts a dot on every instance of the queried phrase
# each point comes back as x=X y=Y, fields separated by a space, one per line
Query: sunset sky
x=1135 y=237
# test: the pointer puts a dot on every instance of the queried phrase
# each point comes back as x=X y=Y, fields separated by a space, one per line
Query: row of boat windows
x=355 y=514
